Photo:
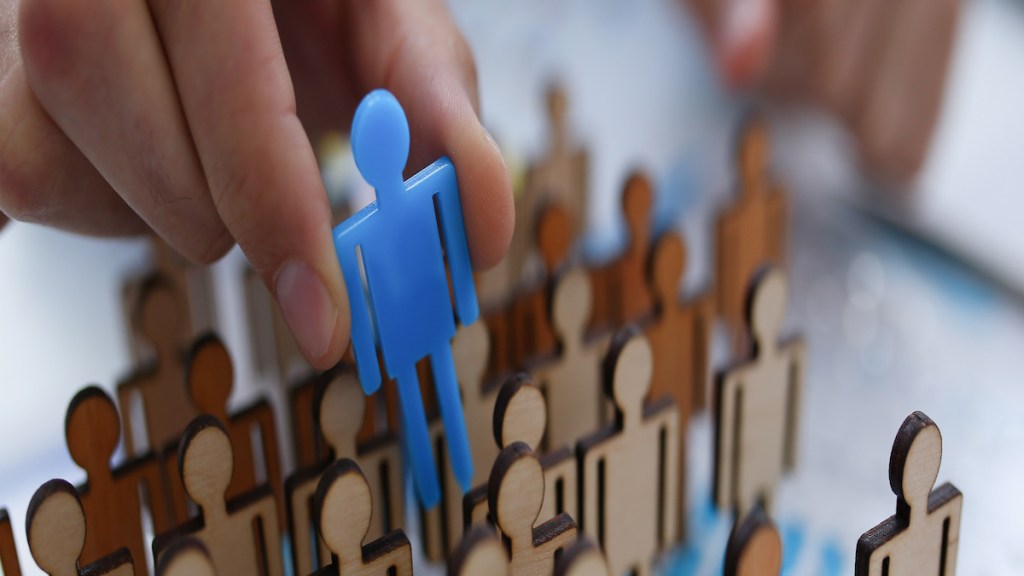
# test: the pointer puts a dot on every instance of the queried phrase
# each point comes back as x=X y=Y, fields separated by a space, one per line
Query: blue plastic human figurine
x=405 y=306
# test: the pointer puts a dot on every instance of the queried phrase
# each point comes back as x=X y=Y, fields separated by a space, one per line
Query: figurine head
x=56 y=528
x=92 y=429
x=345 y=507
x=915 y=459
x=380 y=141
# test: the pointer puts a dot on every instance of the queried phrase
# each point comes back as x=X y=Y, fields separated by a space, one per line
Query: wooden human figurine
x=758 y=404
x=345 y=506
x=571 y=382
x=520 y=415
x=241 y=534
x=111 y=497
x=754 y=547
x=534 y=339
x=515 y=496
x=479 y=553
x=923 y=536
x=9 y=563
x=341 y=409
x=186 y=557
x=752 y=232
x=56 y=528
x=582 y=558
x=621 y=293
x=161 y=384
x=629 y=469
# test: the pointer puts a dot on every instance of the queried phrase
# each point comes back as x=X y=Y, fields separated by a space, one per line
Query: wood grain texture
x=345 y=507
x=56 y=528
x=341 y=410
x=582 y=558
x=160 y=313
x=241 y=534
x=9 y=562
x=758 y=404
x=479 y=553
x=754 y=547
x=515 y=497
x=110 y=496
x=923 y=536
x=186 y=557
x=629 y=469
x=751 y=233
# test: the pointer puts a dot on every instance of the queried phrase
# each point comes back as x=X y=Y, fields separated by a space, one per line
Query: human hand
x=880 y=65
x=120 y=116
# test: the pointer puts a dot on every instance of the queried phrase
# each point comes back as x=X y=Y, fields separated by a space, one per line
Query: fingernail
x=308 y=308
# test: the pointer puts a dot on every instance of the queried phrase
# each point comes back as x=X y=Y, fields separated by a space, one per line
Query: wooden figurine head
x=471 y=349
x=206 y=463
x=340 y=411
x=56 y=528
x=583 y=558
x=628 y=367
x=186 y=557
x=344 y=508
x=753 y=154
x=515 y=491
x=914 y=462
x=766 y=305
x=754 y=548
x=92 y=429
x=479 y=553
x=637 y=201
x=210 y=375
x=666 y=267
x=159 y=312
x=520 y=413
x=554 y=235
x=557 y=105
x=570 y=304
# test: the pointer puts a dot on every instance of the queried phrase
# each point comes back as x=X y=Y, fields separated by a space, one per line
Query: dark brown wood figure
x=754 y=548
x=923 y=536
x=111 y=496
x=8 y=551
x=751 y=233
x=57 y=532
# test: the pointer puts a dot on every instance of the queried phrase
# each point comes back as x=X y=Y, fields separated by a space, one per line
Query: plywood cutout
x=754 y=547
x=515 y=497
x=479 y=553
x=758 y=404
x=520 y=415
x=8 y=551
x=470 y=351
x=112 y=497
x=161 y=384
x=186 y=557
x=241 y=534
x=923 y=536
x=621 y=292
x=341 y=410
x=56 y=528
x=629 y=469
x=345 y=507
x=572 y=381
x=751 y=233
x=582 y=558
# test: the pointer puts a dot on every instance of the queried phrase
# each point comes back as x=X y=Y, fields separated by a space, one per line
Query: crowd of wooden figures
x=577 y=390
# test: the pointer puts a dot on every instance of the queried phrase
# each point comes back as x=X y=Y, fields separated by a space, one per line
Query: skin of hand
x=881 y=66
x=194 y=119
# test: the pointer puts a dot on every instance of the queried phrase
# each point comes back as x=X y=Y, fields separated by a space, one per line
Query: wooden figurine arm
x=152 y=475
x=125 y=389
x=797 y=366
x=669 y=426
x=704 y=324
x=266 y=511
x=946 y=502
x=262 y=416
x=729 y=383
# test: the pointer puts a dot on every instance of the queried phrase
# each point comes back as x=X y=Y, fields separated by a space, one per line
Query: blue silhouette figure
x=394 y=246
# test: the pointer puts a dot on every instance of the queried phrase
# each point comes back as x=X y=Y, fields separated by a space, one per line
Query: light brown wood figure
x=751 y=233
x=470 y=351
x=112 y=497
x=341 y=409
x=56 y=528
x=186 y=557
x=161 y=385
x=758 y=404
x=8 y=551
x=241 y=534
x=534 y=339
x=629 y=469
x=582 y=558
x=345 y=507
x=479 y=553
x=923 y=536
x=621 y=292
x=572 y=381
x=520 y=415
x=210 y=379
x=754 y=547
x=515 y=496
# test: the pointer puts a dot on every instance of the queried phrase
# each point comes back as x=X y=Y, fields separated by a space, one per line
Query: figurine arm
x=346 y=241
x=449 y=208
x=794 y=389
x=729 y=383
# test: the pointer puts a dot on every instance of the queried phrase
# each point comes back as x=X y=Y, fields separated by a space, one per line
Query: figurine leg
x=417 y=438
x=448 y=398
